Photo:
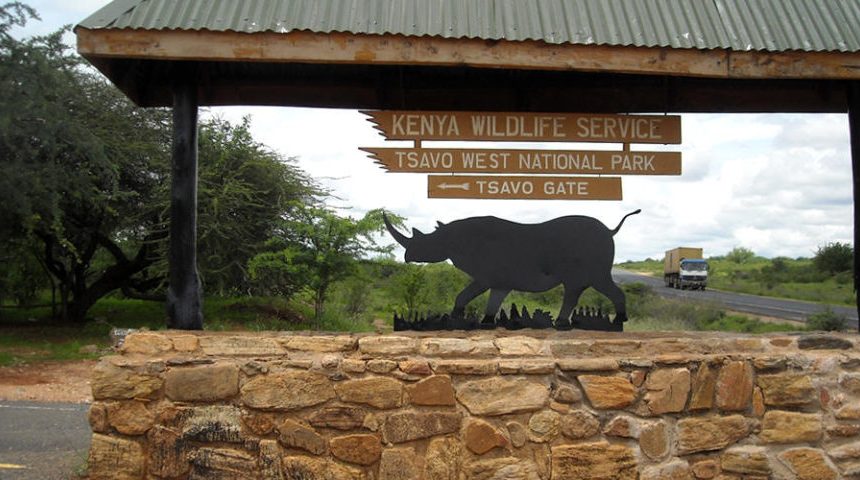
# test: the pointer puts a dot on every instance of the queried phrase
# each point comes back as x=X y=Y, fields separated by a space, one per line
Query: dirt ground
x=48 y=382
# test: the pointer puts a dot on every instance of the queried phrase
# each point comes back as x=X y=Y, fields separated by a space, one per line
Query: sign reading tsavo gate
x=523 y=187
x=527 y=127
x=595 y=162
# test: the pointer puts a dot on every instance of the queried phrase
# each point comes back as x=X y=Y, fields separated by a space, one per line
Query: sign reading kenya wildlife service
x=541 y=164
x=527 y=127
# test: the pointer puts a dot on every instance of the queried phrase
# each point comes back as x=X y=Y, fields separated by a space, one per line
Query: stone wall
x=491 y=406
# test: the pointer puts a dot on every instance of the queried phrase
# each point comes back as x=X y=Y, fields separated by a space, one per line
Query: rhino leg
x=497 y=296
x=607 y=287
x=471 y=291
x=571 y=298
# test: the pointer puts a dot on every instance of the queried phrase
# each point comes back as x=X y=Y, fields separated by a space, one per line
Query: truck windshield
x=695 y=266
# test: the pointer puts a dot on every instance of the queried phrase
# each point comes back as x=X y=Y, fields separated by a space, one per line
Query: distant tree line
x=84 y=178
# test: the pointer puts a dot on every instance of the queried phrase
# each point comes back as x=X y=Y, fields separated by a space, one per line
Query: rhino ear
x=416 y=232
x=439 y=224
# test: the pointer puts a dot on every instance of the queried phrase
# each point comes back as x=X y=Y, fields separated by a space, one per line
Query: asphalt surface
x=771 y=307
x=43 y=441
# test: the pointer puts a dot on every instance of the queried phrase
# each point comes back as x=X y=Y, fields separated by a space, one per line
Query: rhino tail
x=638 y=210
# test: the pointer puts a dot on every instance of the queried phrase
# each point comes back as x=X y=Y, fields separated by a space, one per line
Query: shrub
x=740 y=255
x=826 y=320
x=834 y=258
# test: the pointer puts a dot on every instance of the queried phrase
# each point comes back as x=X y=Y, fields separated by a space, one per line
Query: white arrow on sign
x=460 y=186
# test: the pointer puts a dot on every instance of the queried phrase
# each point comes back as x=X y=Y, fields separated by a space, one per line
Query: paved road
x=767 y=306
x=43 y=441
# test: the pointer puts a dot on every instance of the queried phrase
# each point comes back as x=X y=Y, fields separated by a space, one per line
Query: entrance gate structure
x=626 y=56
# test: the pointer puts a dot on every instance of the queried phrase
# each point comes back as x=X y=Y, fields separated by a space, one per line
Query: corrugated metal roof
x=770 y=25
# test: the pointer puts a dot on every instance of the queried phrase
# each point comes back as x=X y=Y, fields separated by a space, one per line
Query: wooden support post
x=184 y=295
x=854 y=128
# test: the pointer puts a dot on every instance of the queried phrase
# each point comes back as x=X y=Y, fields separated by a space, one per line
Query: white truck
x=685 y=268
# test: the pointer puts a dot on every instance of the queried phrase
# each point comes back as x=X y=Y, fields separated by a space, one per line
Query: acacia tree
x=316 y=248
x=80 y=169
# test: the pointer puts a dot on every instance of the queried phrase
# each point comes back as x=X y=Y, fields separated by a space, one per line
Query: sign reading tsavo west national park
x=540 y=164
x=527 y=127
x=524 y=187
x=566 y=162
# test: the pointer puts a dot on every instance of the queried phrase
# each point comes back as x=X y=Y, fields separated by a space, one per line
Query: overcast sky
x=777 y=184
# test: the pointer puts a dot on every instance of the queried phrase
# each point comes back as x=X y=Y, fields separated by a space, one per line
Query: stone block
x=518 y=346
x=309 y=468
x=579 y=424
x=443 y=459
x=115 y=382
x=702 y=434
x=501 y=396
x=381 y=366
x=706 y=469
x=790 y=427
x=433 y=391
x=207 y=383
x=848 y=412
x=735 y=386
x=378 y=392
x=569 y=348
x=146 y=343
x=213 y=423
x=338 y=417
x=746 y=460
x=270 y=460
x=222 y=464
x=185 y=343
x=587 y=364
x=113 y=458
x=594 y=461
x=808 y=464
x=654 y=440
x=517 y=433
x=240 y=345
x=416 y=367
x=667 y=390
x=567 y=394
x=291 y=390
x=406 y=426
x=823 y=342
x=457 y=347
x=167 y=453
x=850 y=382
x=259 y=423
x=544 y=426
x=608 y=393
x=293 y=434
x=351 y=365
x=388 y=345
x=675 y=469
x=465 y=367
x=480 y=437
x=360 y=449
x=526 y=367
x=130 y=418
x=787 y=390
x=320 y=343
x=98 y=418
x=508 y=468
x=399 y=464
x=623 y=426
x=615 y=347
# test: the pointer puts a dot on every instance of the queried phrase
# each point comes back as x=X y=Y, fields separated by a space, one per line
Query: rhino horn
x=403 y=240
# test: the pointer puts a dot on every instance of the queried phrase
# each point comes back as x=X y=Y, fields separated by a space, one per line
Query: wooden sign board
x=526 y=127
x=565 y=162
x=523 y=187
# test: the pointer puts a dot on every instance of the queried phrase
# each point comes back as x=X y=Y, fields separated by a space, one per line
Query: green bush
x=827 y=320
x=834 y=258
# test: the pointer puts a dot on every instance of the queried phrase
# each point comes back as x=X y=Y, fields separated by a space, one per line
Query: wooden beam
x=854 y=129
x=184 y=294
x=346 y=48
